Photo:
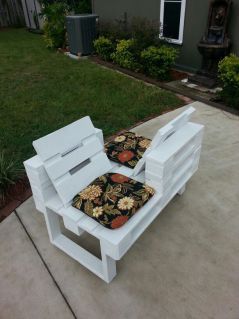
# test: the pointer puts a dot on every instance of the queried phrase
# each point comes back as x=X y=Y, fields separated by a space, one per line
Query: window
x=172 y=14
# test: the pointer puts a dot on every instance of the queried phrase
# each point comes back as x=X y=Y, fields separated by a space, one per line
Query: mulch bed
x=16 y=195
x=175 y=74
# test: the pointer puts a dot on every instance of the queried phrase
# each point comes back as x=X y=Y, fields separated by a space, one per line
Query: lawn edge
x=162 y=85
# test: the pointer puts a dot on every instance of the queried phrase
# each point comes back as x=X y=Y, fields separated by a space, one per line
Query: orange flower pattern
x=127 y=149
x=112 y=199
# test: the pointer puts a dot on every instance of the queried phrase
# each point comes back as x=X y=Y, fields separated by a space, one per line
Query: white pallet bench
x=70 y=158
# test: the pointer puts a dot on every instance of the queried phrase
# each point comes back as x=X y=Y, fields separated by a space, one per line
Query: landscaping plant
x=114 y=30
x=104 y=48
x=54 y=13
x=54 y=27
x=145 y=32
x=229 y=75
x=138 y=46
x=157 y=61
x=126 y=55
x=9 y=174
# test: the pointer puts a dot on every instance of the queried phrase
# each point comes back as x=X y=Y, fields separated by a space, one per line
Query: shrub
x=114 y=31
x=104 y=48
x=145 y=32
x=9 y=174
x=54 y=26
x=80 y=6
x=126 y=55
x=83 y=6
x=229 y=75
x=157 y=61
x=54 y=13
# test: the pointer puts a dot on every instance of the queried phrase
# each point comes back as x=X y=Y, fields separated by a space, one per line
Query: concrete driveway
x=185 y=266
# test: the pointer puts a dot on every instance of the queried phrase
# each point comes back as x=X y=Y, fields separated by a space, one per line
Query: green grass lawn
x=41 y=91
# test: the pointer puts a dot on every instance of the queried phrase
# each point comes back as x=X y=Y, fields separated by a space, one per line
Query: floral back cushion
x=112 y=199
x=127 y=149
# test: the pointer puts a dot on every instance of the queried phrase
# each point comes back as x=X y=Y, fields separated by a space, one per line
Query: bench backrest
x=163 y=134
x=73 y=157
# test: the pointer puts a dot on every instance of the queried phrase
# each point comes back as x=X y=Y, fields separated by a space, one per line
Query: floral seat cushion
x=112 y=199
x=127 y=148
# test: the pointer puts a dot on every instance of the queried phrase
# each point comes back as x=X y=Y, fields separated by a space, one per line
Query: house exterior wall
x=194 y=27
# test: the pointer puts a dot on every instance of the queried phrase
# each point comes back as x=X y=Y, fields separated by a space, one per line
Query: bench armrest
x=176 y=156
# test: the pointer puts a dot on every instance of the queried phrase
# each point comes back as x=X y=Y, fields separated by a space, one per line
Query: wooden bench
x=69 y=159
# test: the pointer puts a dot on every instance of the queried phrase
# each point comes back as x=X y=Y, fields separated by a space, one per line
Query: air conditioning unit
x=81 y=31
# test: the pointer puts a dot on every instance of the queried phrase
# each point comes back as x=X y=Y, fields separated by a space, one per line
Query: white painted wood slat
x=64 y=139
x=62 y=165
x=163 y=134
x=70 y=185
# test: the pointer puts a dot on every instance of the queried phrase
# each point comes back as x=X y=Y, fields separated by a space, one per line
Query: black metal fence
x=11 y=13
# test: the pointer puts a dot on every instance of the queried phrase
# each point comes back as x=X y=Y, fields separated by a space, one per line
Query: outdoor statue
x=215 y=44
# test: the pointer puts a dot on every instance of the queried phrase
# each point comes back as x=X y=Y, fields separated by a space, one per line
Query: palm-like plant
x=9 y=174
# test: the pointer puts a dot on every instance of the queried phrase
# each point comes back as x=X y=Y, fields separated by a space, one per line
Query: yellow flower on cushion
x=120 y=138
x=144 y=143
x=91 y=192
x=149 y=189
x=97 y=211
x=125 y=203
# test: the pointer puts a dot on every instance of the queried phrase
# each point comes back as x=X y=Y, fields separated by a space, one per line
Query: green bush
x=54 y=27
x=79 y=6
x=104 y=48
x=229 y=75
x=114 y=31
x=83 y=6
x=145 y=32
x=126 y=55
x=9 y=174
x=157 y=61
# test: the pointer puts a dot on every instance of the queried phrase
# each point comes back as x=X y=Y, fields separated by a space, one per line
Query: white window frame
x=181 y=25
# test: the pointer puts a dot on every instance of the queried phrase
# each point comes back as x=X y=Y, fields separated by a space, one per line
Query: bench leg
x=109 y=267
x=182 y=190
x=104 y=268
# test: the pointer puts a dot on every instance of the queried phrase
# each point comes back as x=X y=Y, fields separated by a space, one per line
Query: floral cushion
x=112 y=199
x=127 y=149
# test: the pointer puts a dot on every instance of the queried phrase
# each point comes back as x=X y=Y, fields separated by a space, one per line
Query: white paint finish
x=177 y=142
x=100 y=135
x=55 y=204
x=168 y=168
x=63 y=151
x=64 y=139
x=105 y=268
x=70 y=185
x=72 y=226
x=163 y=134
x=62 y=165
